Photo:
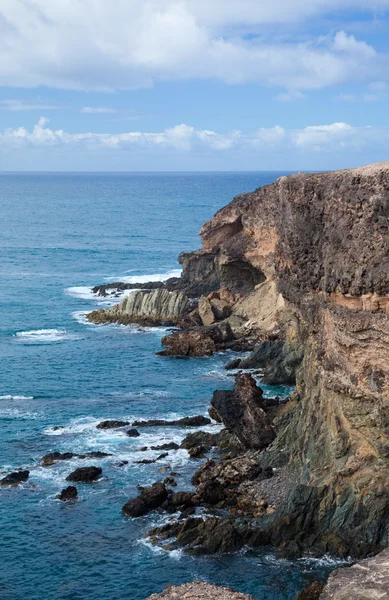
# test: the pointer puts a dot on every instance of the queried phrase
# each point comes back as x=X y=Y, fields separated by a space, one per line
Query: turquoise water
x=60 y=234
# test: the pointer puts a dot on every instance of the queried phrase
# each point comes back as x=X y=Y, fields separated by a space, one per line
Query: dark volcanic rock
x=313 y=592
x=111 y=424
x=68 y=493
x=133 y=432
x=15 y=478
x=214 y=414
x=198 y=341
x=85 y=475
x=149 y=499
x=53 y=457
x=197 y=451
x=150 y=461
x=242 y=412
x=168 y=446
x=197 y=421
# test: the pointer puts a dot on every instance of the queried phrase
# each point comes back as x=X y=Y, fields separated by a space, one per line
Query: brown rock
x=199 y=590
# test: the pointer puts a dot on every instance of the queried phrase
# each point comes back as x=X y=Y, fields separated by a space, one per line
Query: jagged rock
x=68 y=493
x=168 y=446
x=155 y=307
x=150 y=461
x=313 y=592
x=199 y=438
x=85 y=475
x=132 y=432
x=112 y=424
x=203 y=536
x=198 y=341
x=214 y=414
x=197 y=451
x=221 y=309
x=196 y=421
x=148 y=500
x=366 y=580
x=16 y=478
x=242 y=412
x=197 y=590
x=53 y=457
x=205 y=311
x=183 y=499
x=234 y=364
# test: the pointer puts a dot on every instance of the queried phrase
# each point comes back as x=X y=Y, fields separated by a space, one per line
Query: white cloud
x=20 y=105
x=125 y=44
x=97 y=110
x=185 y=139
x=378 y=86
x=289 y=96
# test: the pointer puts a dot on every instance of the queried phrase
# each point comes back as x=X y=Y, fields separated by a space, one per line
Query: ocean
x=61 y=234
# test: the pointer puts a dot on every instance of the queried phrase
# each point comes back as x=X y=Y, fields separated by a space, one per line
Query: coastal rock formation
x=199 y=590
x=85 y=475
x=366 y=580
x=145 y=307
x=68 y=493
x=149 y=499
x=196 y=421
x=322 y=243
x=14 y=479
x=242 y=412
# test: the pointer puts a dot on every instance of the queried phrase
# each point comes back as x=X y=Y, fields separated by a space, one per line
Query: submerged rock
x=112 y=424
x=242 y=412
x=133 y=433
x=196 y=421
x=53 y=457
x=68 y=493
x=149 y=499
x=85 y=475
x=15 y=478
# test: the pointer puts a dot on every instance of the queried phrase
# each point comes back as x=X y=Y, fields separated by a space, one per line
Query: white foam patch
x=10 y=397
x=14 y=413
x=146 y=278
x=44 y=336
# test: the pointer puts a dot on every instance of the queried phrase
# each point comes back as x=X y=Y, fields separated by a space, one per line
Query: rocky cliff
x=300 y=270
x=321 y=243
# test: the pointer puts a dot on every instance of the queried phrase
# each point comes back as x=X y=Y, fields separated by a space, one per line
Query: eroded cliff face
x=322 y=243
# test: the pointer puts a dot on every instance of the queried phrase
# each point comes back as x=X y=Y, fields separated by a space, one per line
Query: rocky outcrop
x=145 y=307
x=198 y=341
x=242 y=412
x=366 y=580
x=85 y=475
x=53 y=457
x=14 y=479
x=68 y=494
x=111 y=424
x=148 y=500
x=196 y=421
x=197 y=590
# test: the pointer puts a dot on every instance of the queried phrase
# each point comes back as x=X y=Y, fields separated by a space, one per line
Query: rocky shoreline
x=297 y=274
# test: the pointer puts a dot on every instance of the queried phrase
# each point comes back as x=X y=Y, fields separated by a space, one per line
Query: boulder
x=85 y=475
x=53 y=457
x=168 y=446
x=198 y=341
x=16 y=478
x=205 y=311
x=133 y=432
x=148 y=500
x=111 y=424
x=197 y=451
x=68 y=493
x=242 y=412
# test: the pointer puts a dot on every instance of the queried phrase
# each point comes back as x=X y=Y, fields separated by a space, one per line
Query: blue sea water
x=60 y=234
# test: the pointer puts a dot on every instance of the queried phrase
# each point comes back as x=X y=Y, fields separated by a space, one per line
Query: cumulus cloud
x=185 y=139
x=127 y=44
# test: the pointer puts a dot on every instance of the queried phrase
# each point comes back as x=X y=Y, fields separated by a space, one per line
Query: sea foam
x=44 y=336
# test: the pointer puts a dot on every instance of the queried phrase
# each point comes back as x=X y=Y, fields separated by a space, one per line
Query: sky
x=193 y=85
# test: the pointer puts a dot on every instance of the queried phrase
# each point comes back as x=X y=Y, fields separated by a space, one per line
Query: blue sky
x=193 y=84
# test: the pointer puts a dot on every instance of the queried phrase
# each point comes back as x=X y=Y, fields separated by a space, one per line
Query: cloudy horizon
x=185 y=85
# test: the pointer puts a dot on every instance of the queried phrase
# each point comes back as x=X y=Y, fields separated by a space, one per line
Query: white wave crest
x=44 y=336
x=150 y=277
x=11 y=397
